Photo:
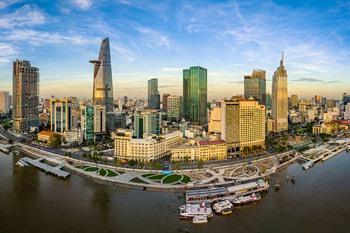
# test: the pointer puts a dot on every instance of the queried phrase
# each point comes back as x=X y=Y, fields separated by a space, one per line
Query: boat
x=200 y=219
x=214 y=194
x=293 y=179
x=307 y=165
x=223 y=207
x=188 y=211
x=22 y=163
x=247 y=199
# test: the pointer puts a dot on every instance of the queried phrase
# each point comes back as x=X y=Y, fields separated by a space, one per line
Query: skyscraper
x=4 y=102
x=294 y=101
x=153 y=94
x=255 y=86
x=165 y=102
x=25 y=96
x=147 y=122
x=280 y=99
x=174 y=107
x=195 y=95
x=103 y=84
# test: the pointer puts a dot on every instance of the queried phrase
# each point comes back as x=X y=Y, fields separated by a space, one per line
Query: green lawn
x=157 y=177
x=186 y=179
x=171 y=179
x=111 y=173
x=91 y=169
x=138 y=180
x=147 y=175
x=102 y=172
x=81 y=167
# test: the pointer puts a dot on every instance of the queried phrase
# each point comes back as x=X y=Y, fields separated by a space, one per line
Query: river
x=33 y=202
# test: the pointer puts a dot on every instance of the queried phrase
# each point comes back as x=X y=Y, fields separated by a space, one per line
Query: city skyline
x=166 y=40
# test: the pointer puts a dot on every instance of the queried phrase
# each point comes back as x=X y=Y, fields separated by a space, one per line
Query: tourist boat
x=22 y=163
x=214 y=194
x=200 y=219
x=247 y=199
x=307 y=165
x=223 y=207
x=188 y=211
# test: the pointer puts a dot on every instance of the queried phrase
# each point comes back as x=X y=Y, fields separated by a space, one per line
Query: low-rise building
x=44 y=136
x=149 y=148
x=75 y=135
x=201 y=151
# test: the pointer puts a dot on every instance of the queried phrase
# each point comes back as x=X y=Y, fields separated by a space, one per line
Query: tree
x=55 y=140
x=200 y=163
x=68 y=154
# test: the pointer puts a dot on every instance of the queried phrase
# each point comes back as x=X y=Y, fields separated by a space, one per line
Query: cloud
x=124 y=51
x=83 y=4
x=153 y=38
x=7 y=52
x=6 y=3
x=237 y=82
x=27 y=15
x=42 y=37
x=313 y=80
x=171 y=69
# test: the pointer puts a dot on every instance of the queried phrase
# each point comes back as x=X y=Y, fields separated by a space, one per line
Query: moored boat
x=191 y=210
x=223 y=207
x=247 y=199
x=200 y=219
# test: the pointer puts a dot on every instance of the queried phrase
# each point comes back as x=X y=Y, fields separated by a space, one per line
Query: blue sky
x=160 y=38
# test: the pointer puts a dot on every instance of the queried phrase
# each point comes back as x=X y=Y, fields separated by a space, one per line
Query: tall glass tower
x=103 y=85
x=195 y=95
x=153 y=94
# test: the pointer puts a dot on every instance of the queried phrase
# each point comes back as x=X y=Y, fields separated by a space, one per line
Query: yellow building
x=215 y=120
x=243 y=124
x=147 y=149
x=201 y=151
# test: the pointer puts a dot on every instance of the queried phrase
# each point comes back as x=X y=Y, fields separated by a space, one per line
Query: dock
x=55 y=170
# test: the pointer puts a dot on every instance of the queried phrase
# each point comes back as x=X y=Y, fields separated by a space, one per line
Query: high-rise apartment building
x=280 y=99
x=195 y=95
x=4 y=102
x=147 y=122
x=153 y=94
x=255 y=86
x=165 y=102
x=87 y=121
x=61 y=114
x=174 y=107
x=214 y=125
x=99 y=119
x=294 y=101
x=25 y=96
x=103 y=83
x=243 y=124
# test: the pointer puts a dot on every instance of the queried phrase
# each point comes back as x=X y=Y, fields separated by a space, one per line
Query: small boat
x=277 y=186
x=223 y=207
x=307 y=165
x=22 y=163
x=247 y=199
x=200 y=219
x=189 y=211
x=293 y=179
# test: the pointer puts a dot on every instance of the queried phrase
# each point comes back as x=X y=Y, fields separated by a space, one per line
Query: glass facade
x=255 y=86
x=195 y=95
x=153 y=94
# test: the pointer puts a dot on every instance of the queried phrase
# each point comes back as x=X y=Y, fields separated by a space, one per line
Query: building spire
x=281 y=62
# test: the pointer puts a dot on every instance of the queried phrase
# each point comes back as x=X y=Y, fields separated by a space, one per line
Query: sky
x=158 y=39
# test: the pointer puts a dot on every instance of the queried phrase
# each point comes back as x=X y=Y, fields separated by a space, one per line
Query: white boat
x=22 y=163
x=223 y=207
x=307 y=165
x=200 y=219
x=246 y=199
x=192 y=210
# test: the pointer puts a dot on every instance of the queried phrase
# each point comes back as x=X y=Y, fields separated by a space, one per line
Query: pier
x=47 y=168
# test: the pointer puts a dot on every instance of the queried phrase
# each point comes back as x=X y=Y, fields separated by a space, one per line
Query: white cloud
x=7 y=52
x=154 y=38
x=83 y=4
x=171 y=69
x=6 y=3
x=27 y=15
x=124 y=51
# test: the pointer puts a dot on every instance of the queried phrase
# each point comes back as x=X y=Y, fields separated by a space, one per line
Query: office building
x=147 y=122
x=61 y=114
x=153 y=94
x=174 y=107
x=4 y=102
x=195 y=95
x=255 y=86
x=25 y=96
x=215 y=120
x=280 y=99
x=294 y=101
x=165 y=102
